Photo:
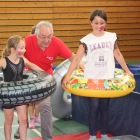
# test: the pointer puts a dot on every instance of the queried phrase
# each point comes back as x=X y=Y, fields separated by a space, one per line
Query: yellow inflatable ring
x=121 y=85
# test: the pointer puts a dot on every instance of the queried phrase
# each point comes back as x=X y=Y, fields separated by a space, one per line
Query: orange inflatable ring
x=121 y=85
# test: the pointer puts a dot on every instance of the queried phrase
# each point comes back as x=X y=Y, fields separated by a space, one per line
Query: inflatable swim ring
x=122 y=84
x=36 y=85
x=61 y=107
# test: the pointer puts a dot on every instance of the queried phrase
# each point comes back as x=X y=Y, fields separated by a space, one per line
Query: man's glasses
x=45 y=37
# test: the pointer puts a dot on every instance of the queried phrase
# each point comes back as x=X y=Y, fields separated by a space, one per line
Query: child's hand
x=65 y=81
x=130 y=73
x=81 y=65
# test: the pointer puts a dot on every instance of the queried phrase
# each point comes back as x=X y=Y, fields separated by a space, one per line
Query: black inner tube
x=35 y=86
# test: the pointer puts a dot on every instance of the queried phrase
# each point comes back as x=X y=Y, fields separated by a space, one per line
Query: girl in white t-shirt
x=101 y=48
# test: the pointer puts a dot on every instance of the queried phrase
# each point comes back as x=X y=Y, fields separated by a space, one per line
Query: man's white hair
x=45 y=24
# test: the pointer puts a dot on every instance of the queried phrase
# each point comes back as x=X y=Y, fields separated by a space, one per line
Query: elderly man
x=42 y=48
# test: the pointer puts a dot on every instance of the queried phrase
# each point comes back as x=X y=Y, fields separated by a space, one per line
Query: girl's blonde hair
x=12 y=42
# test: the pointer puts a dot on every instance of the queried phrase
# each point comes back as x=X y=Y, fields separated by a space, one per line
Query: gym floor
x=60 y=127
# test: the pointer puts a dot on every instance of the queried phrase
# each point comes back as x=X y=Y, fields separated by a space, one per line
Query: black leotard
x=13 y=72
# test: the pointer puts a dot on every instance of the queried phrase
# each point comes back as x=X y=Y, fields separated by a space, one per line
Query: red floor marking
x=74 y=136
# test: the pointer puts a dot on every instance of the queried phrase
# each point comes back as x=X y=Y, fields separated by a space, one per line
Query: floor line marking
x=12 y=126
x=15 y=114
x=59 y=129
x=35 y=130
x=2 y=132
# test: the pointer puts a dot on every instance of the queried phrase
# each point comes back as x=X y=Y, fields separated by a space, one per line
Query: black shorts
x=9 y=107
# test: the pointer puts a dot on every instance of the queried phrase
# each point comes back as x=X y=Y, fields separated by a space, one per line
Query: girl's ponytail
x=6 y=52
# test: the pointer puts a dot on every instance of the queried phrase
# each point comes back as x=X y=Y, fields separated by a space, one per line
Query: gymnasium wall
x=70 y=19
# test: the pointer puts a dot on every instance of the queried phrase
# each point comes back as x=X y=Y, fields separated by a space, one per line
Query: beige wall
x=71 y=21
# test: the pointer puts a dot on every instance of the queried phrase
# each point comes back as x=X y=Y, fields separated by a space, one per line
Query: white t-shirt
x=100 y=59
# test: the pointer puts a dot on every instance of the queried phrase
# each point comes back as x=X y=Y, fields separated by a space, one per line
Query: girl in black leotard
x=12 y=65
